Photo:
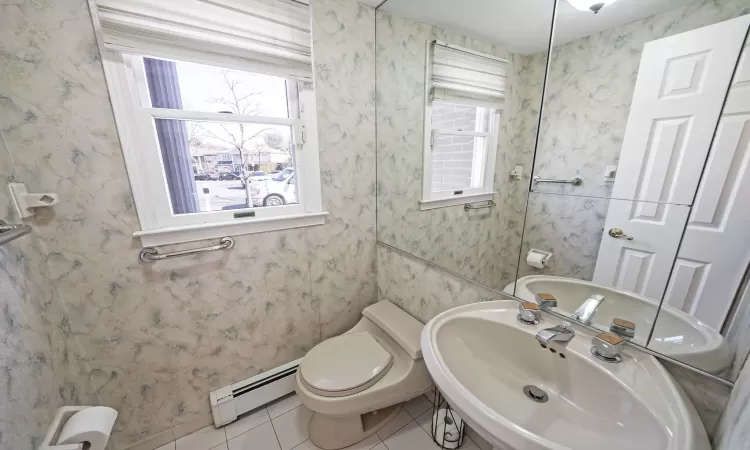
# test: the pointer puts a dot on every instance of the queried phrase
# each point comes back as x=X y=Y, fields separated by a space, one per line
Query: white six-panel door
x=678 y=97
x=715 y=251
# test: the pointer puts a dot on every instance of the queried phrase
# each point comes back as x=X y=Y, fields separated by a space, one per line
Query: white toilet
x=355 y=383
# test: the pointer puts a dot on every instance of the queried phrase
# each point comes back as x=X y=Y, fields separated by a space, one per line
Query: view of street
x=215 y=195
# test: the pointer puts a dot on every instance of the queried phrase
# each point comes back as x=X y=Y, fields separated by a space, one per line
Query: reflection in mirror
x=602 y=268
x=459 y=92
x=633 y=96
x=712 y=262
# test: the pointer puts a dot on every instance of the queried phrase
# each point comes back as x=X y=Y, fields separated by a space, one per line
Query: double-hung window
x=464 y=102
x=215 y=108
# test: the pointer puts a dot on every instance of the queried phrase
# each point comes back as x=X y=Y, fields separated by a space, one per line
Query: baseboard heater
x=229 y=402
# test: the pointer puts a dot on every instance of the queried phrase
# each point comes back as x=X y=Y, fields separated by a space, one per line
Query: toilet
x=356 y=383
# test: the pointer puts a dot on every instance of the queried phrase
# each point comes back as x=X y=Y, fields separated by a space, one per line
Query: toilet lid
x=345 y=364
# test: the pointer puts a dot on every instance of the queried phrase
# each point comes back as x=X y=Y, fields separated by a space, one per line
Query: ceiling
x=523 y=26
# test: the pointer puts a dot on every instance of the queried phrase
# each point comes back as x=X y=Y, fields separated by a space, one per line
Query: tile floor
x=282 y=425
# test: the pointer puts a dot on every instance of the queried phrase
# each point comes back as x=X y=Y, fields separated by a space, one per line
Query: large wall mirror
x=604 y=164
x=459 y=93
x=637 y=220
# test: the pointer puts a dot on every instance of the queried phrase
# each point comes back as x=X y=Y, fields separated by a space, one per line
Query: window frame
x=431 y=199
x=136 y=128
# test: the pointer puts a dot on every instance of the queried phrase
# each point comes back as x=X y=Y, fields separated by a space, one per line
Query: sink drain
x=535 y=394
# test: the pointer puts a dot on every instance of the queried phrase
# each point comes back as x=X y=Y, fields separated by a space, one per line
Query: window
x=464 y=100
x=207 y=136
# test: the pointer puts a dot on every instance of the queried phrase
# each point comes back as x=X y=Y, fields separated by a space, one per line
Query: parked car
x=224 y=176
x=255 y=176
x=283 y=175
x=207 y=176
x=272 y=192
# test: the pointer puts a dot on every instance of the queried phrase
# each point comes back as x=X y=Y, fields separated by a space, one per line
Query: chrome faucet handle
x=545 y=300
x=623 y=328
x=529 y=313
x=607 y=346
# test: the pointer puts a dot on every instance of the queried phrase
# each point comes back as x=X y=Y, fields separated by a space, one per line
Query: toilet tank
x=399 y=325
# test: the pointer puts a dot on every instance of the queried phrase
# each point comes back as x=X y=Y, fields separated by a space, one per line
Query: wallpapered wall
x=155 y=339
x=590 y=86
x=42 y=368
x=482 y=245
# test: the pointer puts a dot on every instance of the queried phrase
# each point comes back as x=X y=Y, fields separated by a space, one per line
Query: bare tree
x=236 y=135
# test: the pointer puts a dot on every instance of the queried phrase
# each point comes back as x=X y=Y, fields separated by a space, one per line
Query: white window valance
x=263 y=36
x=464 y=76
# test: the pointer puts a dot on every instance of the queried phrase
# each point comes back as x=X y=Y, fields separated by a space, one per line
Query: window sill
x=454 y=201
x=188 y=233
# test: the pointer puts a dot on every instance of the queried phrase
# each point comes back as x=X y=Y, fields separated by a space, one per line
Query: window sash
x=136 y=127
x=490 y=150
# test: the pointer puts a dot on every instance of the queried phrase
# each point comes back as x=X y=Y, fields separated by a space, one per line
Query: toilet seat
x=344 y=365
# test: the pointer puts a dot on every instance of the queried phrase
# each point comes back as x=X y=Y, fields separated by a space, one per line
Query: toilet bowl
x=355 y=383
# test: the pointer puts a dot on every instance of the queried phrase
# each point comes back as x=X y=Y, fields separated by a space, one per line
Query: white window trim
x=433 y=200
x=143 y=162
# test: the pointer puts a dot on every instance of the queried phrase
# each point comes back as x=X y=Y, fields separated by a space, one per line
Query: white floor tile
x=366 y=444
x=203 y=439
x=394 y=425
x=416 y=406
x=247 y=423
x=411 y=437
x=283 y=405
x=170 y=446
x=222 y=446
x=262 y=437
x=291 y=428
x=425 y=421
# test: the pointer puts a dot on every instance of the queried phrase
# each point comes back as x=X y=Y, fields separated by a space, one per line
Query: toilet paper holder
x=65 y=414
x=538 y=258
x=61 y=418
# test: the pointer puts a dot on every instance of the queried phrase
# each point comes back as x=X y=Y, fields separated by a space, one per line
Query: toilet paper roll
x=535 y=259
x=447 y=426
x=92 y=425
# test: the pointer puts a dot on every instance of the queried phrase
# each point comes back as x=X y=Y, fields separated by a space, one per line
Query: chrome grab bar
x=150 y=254
x=488 y=204
x=10 y=233
x=577 y=181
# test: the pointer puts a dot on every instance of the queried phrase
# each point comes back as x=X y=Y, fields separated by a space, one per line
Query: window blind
x=262 y=36
x=464 y=76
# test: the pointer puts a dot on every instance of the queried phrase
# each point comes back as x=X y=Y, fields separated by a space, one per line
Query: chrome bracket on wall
x=480 y=205
x=10 y=233
x=150 y=254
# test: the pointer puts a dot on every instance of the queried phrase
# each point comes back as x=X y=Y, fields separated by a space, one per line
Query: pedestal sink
x=521 y=396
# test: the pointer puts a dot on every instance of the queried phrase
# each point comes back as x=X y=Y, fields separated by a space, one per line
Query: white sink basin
x=677 y=334
x=481 y=358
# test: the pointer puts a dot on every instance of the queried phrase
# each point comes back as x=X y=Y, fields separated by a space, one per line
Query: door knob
x=618 y=233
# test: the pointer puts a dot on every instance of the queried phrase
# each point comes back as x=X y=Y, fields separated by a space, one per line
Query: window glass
x=227 y=163
x=198 y=87
x=452 y=116
x=459 y=147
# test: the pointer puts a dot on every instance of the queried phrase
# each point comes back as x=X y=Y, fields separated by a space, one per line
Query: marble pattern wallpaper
x=156 y=338
x=589 y=90
x=482 y=245
x=424 y=290
x=733 y=430
x=42 y=366
x=570 y=227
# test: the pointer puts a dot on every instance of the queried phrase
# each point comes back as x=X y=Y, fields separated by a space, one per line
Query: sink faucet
x=586 y=311
x=559 y=333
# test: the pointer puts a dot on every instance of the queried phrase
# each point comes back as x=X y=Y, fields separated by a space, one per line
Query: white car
x=280 y=190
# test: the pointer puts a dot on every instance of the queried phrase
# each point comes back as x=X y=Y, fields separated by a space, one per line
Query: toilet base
x=335 y=432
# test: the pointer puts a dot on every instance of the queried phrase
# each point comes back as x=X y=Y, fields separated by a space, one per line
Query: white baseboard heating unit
x=229 y=402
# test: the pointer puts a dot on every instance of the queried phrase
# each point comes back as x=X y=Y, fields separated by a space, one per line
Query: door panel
x=678 y=97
